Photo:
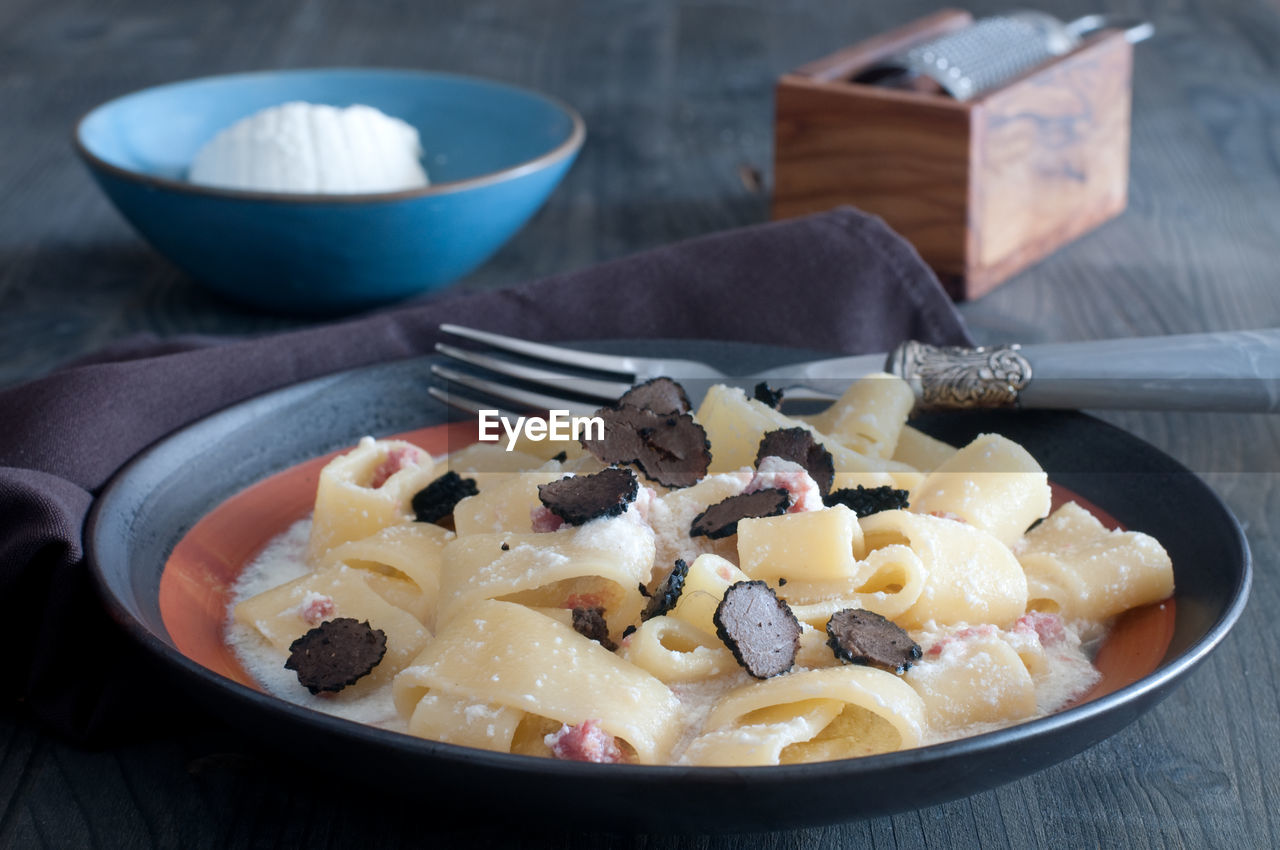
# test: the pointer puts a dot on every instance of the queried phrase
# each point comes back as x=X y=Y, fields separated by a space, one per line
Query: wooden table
x=677 y=98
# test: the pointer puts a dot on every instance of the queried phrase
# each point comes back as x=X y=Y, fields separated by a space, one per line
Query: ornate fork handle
x=952 y=377
x=1230 y=371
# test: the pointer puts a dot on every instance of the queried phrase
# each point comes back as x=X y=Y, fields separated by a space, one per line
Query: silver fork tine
x=521 y=398
x=466 y=404
x=606 y=391
x=549 y=353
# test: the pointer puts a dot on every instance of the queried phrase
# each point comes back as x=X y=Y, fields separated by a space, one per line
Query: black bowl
x=154 y=501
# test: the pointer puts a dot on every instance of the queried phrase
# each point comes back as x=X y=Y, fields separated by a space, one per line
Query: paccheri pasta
x=799 y=589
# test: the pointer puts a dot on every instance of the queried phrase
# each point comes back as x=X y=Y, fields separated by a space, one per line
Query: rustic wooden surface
x=848 y=62
x=677 y=97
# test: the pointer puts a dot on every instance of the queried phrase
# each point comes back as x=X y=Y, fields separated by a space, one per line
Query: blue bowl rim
x=567 y=148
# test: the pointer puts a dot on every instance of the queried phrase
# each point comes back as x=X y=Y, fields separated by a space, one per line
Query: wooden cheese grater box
x=982 y=188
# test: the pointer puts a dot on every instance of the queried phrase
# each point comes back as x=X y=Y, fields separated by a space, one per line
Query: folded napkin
x=840 y=281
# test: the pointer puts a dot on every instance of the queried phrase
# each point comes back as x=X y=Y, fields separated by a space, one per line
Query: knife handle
x=1229 y=371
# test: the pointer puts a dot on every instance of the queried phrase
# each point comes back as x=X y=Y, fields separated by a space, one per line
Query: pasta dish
x=725 y=586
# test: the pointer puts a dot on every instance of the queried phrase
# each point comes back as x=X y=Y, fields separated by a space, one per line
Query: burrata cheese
x=313 y=148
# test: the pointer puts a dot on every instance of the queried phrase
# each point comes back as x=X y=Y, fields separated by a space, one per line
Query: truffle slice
x=336 y=653
x=438 y=499
x=865 y=501
x=622 y=441
x=660 y=395
x=669 y=448
x=721 y=519
x=865 y=637
x=668 y=592
x=583 y=498
x=590 y=623
x=759 y=628
x=798 y=445
x=763 y=394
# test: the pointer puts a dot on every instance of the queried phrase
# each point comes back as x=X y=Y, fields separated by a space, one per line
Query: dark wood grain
x=678 y=101
x=846 y=63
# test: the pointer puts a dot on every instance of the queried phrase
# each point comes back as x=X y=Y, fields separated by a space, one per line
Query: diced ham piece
x=315 y=608
x=543 y=519
x=584 y=742
x=790 y=476
x=584 y=600
x=1048 y=627
x=948 y=515
x=397 y=459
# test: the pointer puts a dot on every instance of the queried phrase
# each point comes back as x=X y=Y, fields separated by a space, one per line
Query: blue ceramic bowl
x=493 y=152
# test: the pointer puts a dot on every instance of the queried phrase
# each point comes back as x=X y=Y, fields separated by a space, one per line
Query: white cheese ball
x=312 y=148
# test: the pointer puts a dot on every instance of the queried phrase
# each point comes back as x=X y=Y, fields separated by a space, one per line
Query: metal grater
x=992 y=51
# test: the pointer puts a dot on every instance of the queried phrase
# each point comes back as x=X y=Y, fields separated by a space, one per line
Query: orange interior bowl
x=169 y=535
x=195 y=587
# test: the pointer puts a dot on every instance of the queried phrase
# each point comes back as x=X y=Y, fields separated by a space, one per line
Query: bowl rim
x=1172 y=670
x=565 y=149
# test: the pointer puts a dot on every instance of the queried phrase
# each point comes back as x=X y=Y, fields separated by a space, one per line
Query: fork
x=1226 y=371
